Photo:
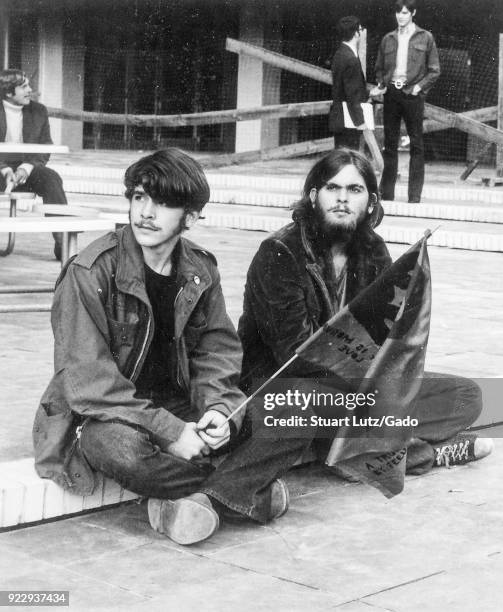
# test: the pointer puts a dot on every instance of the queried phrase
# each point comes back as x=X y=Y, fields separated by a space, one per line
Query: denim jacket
x=423 y=65
x=287 y=299
x=103 y=327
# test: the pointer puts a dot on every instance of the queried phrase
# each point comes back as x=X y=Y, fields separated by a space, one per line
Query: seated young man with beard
x=307 y=271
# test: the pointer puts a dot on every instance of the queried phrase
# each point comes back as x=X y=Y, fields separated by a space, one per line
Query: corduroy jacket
x=286 y=299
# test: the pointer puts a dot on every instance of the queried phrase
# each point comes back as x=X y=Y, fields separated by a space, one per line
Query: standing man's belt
x=399 y=83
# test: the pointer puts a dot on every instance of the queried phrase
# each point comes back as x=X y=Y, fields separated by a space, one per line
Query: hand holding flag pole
x=255 y=393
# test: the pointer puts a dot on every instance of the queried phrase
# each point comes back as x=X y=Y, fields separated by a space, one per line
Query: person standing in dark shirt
x=348 y=85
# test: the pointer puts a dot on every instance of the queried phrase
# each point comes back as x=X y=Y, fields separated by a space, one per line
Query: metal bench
x=69 y=226
x=13 y=197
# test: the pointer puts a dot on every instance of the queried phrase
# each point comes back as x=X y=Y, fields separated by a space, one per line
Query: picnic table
x=14 y=196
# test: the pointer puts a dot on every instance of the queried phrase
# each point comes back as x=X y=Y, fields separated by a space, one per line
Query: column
x=50 y=69
x=257 y=84
x=61 y=77
x=4 y=34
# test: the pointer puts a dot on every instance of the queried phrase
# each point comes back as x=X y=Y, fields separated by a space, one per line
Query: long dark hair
x=364 y=242
x=327 y=167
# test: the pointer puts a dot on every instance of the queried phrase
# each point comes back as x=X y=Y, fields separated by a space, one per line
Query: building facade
x=168 y=57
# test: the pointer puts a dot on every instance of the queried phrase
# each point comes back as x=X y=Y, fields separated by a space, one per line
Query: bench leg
x=69 y=246
x=12 y=236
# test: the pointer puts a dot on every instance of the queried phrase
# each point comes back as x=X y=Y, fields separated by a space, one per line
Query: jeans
x=398 y=106
x=241 y=482
x=445 y=406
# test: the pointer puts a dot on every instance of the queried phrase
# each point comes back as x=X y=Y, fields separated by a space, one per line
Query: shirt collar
x=12 y=107
x=408 y=30
x=348 y=45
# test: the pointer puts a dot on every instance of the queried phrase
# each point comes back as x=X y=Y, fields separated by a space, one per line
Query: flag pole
x=262 y=386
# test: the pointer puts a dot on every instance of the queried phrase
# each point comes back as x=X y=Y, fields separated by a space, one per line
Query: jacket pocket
x=191 y=335
x=196 y=325
x=122 y=340
x=52 y=435
x=417 y=52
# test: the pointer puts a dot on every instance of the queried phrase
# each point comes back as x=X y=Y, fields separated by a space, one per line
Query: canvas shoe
x=461 y=449
x=186 y=521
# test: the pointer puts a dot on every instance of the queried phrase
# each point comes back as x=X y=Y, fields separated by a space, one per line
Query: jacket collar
x=314 y=269
x=417 y=30
x=130 y=275
x=306 y=243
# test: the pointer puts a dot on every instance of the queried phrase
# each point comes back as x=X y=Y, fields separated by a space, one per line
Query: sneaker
x=461 y=449
x=186 y=521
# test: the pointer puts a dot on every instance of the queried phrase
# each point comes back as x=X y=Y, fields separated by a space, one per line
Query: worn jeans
x=398 y=106
x=241 y=482
x=445 y=406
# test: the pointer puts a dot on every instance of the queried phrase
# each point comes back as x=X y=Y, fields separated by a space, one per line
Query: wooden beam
x=310 y=147
x=293 y=150
x=471 y=166
x=484 y=115
x=274 y=111
x=461 y=122
x=279 y=60
x=375 y=151
x=448 y=118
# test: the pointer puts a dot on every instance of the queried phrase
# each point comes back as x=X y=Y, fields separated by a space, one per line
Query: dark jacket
x=286 y=298
x=102 y=324
x=423 y=65
x=36 y=130
x=348 y=85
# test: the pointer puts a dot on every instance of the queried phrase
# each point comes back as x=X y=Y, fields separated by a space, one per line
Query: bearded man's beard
x=330 y=233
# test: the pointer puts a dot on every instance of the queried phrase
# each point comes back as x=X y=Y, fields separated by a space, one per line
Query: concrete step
x=469 y=235
x=224 y=179
x=440 y=202
x=27 y=498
